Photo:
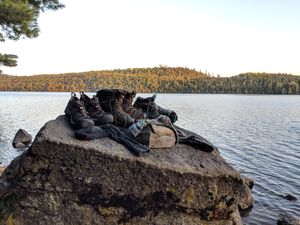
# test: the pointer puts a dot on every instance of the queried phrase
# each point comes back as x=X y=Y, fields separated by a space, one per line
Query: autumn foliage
x=161 y=79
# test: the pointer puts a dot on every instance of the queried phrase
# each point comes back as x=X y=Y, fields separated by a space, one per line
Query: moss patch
x=190 y=196
x=10 y=220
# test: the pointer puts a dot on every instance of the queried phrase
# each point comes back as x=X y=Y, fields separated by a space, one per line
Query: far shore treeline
x=159 y=79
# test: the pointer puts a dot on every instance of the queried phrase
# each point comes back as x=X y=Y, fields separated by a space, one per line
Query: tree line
x=160 y=79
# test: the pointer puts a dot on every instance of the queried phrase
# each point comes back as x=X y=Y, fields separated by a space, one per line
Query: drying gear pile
x=112 y=113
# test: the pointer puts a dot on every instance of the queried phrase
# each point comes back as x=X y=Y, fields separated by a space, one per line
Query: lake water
x=258 y=134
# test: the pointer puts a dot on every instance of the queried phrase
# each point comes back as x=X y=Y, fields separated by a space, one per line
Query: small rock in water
x=285 y=219
x=290 y=197
x=22 y=139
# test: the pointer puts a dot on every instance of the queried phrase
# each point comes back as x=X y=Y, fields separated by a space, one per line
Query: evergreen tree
x=20 y=18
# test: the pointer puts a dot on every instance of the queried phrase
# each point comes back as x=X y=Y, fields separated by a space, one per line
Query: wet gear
x=118 y=134
x=111 y=100
x=140 y=144
x=95 y=111
x=77 y=114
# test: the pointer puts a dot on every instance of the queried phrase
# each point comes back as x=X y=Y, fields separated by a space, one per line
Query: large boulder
x=61 y=180
x=22 y=139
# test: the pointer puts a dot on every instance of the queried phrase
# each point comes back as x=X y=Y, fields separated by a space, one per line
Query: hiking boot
x=142 y=103
x=148 y=106
x=95 y=111
x=152 y=110
x=121 y=117
x=167 y=112
x=133 y=111
x=76 y=113
x=111 y=100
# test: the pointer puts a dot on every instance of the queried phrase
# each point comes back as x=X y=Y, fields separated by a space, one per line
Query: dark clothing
x=116 y=134
x=92 y=133
x=194 y=140
x=139 y=145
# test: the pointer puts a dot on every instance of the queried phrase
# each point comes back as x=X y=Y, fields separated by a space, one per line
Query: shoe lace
x=96 y=105
x=81 y=107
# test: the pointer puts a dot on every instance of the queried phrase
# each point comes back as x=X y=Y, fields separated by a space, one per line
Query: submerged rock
x=22 y=139
x=290 y=197
x=62 y=180
x=286 y=219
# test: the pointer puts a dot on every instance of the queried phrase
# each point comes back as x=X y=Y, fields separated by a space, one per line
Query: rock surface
x=61 y=180
x=246 y=200
x=22 y=139
x=248 y=181
x=2 y=168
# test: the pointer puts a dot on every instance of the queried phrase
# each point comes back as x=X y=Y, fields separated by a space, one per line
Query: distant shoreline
x=68 y=92
x=156 y=80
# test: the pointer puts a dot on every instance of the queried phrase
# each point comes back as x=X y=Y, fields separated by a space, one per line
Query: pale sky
x=225 y=37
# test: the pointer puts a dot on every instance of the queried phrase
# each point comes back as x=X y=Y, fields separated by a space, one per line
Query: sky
x=224 y=37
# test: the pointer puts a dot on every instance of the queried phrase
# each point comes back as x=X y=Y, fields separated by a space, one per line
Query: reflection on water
x=258 y=135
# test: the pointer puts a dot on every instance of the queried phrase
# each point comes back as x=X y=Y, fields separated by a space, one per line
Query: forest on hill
x=157 y=79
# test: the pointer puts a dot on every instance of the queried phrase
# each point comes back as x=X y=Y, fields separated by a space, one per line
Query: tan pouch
x=162 y=137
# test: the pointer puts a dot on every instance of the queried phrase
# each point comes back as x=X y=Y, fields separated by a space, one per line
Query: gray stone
x=22 y=139
x=62 y=180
